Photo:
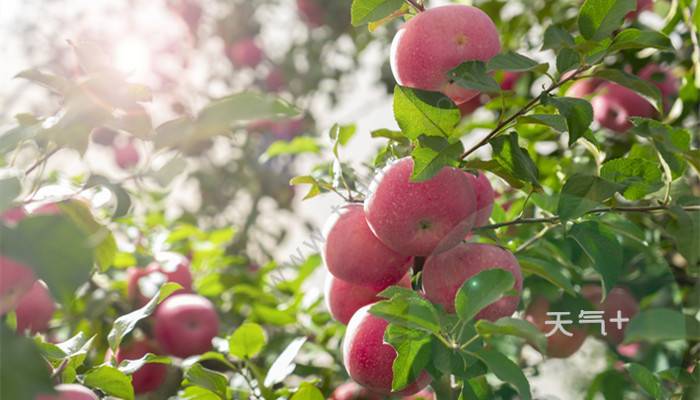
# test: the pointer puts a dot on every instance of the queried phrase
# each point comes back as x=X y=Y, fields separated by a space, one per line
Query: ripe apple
x=48 y=208
x=420 y=218
x=150 y=375
x=510 y=79
x=444 y=274
x=352 y=252
x=368 y=360
x=584 y=87
x=559 y=345
x=353 y=391
x=437 y=40
x=642 y=5
x=185 y=324
x=484 y=197
x=13 y=215
x=35 y=309
x=615 y=103
x=274 y=81
x=17 y=280
x=661 y=76
x=103 y=135
x=343 y=299
x=142 y=283
x=126 y=155
x=70 y=391
x=310 y=12
x=619 y=298
x=246 y=53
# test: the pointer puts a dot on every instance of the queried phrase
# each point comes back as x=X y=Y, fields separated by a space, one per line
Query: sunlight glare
x=132 y=55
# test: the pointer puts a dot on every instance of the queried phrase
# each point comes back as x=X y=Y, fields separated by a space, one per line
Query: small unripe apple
x=126 y=155
x=368 y=360
x=185 y=324
x=484 y=197
x=343 y=299
x=437 y=40
x=246 y=53
x=619 y=299
x=615 y=103
x=355 y=255
x=559 y=345
x=420 y=218
x=150 y=375
x=35 y=309
x=17 y=280
x=70 y=391
x=445 y=273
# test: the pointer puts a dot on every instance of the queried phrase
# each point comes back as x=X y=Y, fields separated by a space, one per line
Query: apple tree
x=535 y=199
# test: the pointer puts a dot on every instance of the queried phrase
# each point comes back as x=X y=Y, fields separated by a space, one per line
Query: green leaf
x=298 y=145
x=217 y=116
x=246 y=341
x=567 y=60
x=205 y=378
x=648 y=381
x=547 y=271
x=341 y=135
x=601 y=245
x=413 y=348
x=23 y=371
x=506 y=370
x=554 y=121
x=598 y=19
x=123 y=201
x=611 y=384
x=472 y=75
x=656 y=325
x=284 y=365
x=480 y=290
x=366 y=11
x=458 y=362
x=129 y=367
x=110 y=380
x=73 y=351
x=685 y=231
x=407 y=308
x=513 y=327
x=419 y=112
x=637 y=39
x=578 y=114
x=432 y=154
x=476 y=389
x=513 y=62
x=105 y=245
x=639 y=176
x=671 y=142
x=556 y=36
x=54 y=83
x=497 y=169
x=515 y=159
x=307 y=391
x=10 y=186
x=581 y=193
x=645 y=89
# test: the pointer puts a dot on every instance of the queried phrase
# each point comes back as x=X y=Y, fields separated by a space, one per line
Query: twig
x=41 y=160
x=418 y=7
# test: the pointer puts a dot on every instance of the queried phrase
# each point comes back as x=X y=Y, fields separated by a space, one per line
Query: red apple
x=642 y=5
x=126 y=156
x=437 y=40
x=185 y=324
x=661 y=76
x=420 y=218
x=70 y=391
x=274 y=81
x=619 y=299
x=615 y=103
x=343 y=299
x=510 y=79
x=353 y=391
x=48 y=208
x=35 y=309
x=143 y=283
x=352 y=252
x=190 y=12
x=150 y=375
x=484 y=197
x=368 y=360
x=311 y=12
x=13 y=215
x=559 y=345
x=444 y=274
x=17 y=280
x=584 y=87
x=469 y=106
x=246 y=53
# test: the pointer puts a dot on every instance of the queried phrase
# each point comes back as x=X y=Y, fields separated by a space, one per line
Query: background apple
x=368 y=360
x=35 y=309
x=70 y=391
x=17 y=280
x=444 y=274
x=437 y=40
x=343 y=299
x=310 y=12
x=642 y=5
x=420 y=218
x=353 y=391
x=583 y=87
x=484 y=197
x=245 y=52
x=126 y=155
x=143 y=283
x=615 y=103
x=13 y=215
x=150 y=375
x=185 y=324
x=352 y=252
x=661 y=76
x=619 y=298
x=103 y=135
x=559 y=345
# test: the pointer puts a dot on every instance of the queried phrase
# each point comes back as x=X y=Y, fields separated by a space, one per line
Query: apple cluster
x=372 y=246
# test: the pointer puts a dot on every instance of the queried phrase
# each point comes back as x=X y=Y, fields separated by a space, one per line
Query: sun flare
x=132 y=55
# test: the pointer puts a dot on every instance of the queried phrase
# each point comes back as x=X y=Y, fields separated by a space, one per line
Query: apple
x=353 y=391
x=584 y=87
x=469 y=106
x=355 y=255
x=343 y=298
x=13 y=215
x=70 y=391
x=642 y=5
x=143 y=283
x=274 y=81
x=185 y=324
x=425 y=393
x=661 y=76
x=310 y=12
x=150 y=375
x=420 y=218
x=559 y=345
x=35 y=309
x=190 y=12
x=437 y=40
x=126 y=155
x=17 y=280
x=615 y=103
x=484 y=197
x=103 y=135
x=510 y=79
x=246 y=53
x=444 y=274
x=48 y=208
x=619 y=299
x=368 y=360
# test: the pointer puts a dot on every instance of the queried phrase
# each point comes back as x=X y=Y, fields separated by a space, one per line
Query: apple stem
x=418 y=7
x=418 y=263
